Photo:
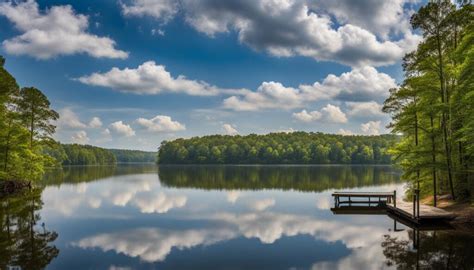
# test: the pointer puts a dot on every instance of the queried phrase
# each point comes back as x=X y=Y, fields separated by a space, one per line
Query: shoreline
x=464 y=212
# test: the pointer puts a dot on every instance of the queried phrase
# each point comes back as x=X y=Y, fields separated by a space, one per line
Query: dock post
x=417 y=191
x=414 y=205
x=394 y=198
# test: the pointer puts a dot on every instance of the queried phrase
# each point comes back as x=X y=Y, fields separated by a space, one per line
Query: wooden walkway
x=426 y=212
x=376 y=202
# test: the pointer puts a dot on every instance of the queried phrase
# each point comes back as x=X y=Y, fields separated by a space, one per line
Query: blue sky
x=131 y=73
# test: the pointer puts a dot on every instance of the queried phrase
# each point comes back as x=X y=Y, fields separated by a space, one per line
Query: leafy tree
x=432 y=108
x=25 y=128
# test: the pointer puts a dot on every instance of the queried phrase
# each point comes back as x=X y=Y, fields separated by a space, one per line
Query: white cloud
x=152 y=245
x=148 y=78
x=159 y=9
x=269 y=95
x=333 y=114
x=305 y=116
x=159 y=32
x=233 y=195
x=345 y=132
x=261 y=205
x=229 y=129
x=56 y=31
x=364 y=109
x=80 y=137
x=159 y=203
x=323 y=202
x=161 y=123
x=122 y=129
x=286 y=130
x=290 y=28
x=69 y=119
x=95 y=122
x=361 y=84
x=371 y=128
x=329 y=113
x=380 y=17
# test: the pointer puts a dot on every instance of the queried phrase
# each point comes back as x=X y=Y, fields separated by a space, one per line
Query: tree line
x=434 y=106
x=131 y=156
x=278 y=148
x=78 y=154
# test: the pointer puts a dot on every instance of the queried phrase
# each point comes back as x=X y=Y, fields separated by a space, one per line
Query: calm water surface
x=215 y=217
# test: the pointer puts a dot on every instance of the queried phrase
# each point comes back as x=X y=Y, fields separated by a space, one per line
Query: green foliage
x=130 y=156
x=77 y=154
x=23 y=242
x=278 y=148
x=87 y=155
x=433 y=107
x=25 y=128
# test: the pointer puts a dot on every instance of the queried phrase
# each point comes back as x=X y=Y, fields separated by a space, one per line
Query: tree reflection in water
x=24 y=241
x=304 y=178
x=430 y=250
x=84 y=174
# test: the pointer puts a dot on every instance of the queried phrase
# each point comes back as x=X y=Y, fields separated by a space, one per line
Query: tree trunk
x=433 y=158
x=443 y=115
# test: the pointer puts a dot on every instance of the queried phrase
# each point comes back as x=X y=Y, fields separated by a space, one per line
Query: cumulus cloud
x=286 y=130
x=345 y=132
x=143 y=192
x=301 y=28
x=152 y=245
x=333 y=114
x=161 y=123
x=371 y=128
x=380 y=17
x=229 y=129
x=361 y=84
x=364 y=109
x=69 y=119
x=233 y=195
x=122 y=129
x=80 y=137
x=305 y=116
x=95 y=122
x=329 y=113
x=55 y=31
x=269 y=95
x=160 y=9
x=159 y=203
x=261 y=205
x=148 y=78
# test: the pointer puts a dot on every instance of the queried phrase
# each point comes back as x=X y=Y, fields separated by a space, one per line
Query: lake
x=215 y=217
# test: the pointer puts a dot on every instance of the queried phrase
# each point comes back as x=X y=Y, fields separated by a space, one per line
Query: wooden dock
x=386 y=202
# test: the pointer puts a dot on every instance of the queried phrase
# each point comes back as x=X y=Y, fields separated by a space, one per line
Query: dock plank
x=426 y=211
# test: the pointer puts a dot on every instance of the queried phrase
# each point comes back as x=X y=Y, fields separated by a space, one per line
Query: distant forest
x=76 y=154
x=130 y=156
x=278 y=148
